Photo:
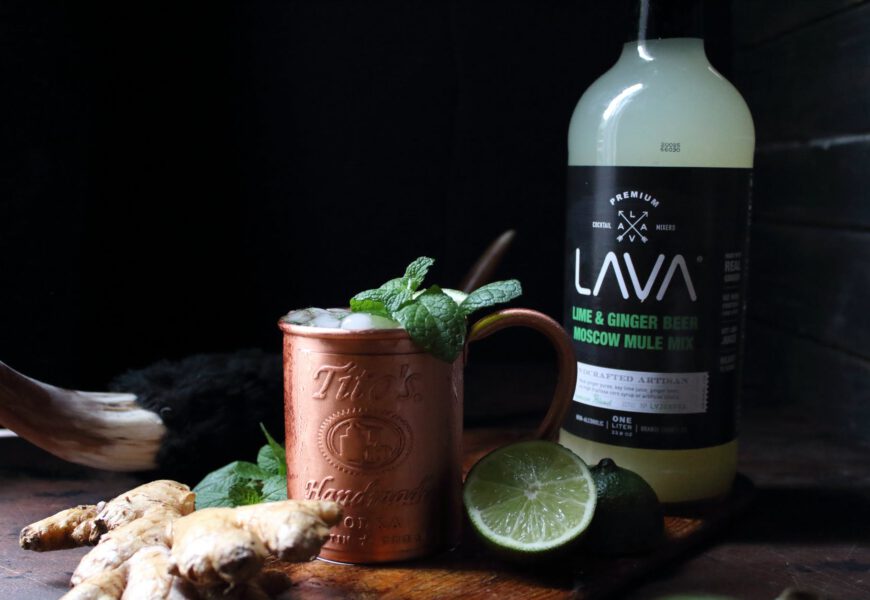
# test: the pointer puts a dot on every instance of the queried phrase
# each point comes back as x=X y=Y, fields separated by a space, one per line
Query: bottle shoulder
x=700 y=90
x=633 y=110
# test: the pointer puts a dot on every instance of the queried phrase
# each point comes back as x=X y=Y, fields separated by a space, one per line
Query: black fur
x=212 y=405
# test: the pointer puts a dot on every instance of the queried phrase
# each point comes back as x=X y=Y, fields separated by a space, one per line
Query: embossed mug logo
x=356 y=440
x=353 y=382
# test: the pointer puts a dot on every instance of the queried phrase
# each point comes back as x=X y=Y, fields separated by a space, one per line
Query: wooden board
x=472 y=571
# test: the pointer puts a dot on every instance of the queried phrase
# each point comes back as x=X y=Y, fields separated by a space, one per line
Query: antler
x=102 y=430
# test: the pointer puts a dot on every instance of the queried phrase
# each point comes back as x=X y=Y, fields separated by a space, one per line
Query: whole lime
x=628 y=517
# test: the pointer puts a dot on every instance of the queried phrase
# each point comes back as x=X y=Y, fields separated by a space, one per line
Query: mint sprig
x=394 y=294
x=435 y=321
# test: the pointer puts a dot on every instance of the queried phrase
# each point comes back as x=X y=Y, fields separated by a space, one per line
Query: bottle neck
x=664 y=19
x=677 y=51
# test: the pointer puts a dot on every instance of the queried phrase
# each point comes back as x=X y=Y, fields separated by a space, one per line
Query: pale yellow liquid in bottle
x=663 y=92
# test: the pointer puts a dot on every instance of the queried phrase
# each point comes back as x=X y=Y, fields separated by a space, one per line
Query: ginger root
x=217 y=545
x=162 y=497
x=85 y=524
x=108 y=585
x=150 y=544
x=147 y=575
x=120 y=544
x=150 y=575
x=69 y=528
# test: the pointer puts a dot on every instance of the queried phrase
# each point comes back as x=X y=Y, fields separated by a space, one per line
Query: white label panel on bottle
x=641 y=391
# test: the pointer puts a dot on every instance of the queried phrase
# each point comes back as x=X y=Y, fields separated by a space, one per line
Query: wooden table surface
x=808 y=527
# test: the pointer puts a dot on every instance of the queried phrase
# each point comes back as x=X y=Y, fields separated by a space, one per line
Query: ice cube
x=338 y=317
x=360 y=321
x=299 y=317
x=325 y=320
x=338 y=313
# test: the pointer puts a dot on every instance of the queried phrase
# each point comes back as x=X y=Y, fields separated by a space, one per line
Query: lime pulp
x=530 y=497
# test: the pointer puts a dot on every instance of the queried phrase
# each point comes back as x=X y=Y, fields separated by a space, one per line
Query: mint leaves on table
x=432 y=318
x=240 y=483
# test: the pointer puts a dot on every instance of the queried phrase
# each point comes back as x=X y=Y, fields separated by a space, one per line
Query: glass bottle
x=660 y=152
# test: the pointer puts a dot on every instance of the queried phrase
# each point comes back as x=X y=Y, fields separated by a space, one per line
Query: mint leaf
x=396 y=293
x=249 y=470
x=416 y=271
x=215 y=488
x=240 y=482
x=490 y=294
x=384 y=300
x=276 y=459
x=399 y=283
x=371 y=302
x=371 y=307
x=275 y=488
x=268 y=462
x=435 y=323
x=245 y=492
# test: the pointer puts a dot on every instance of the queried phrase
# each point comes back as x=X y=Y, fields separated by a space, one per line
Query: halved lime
x=530 y=498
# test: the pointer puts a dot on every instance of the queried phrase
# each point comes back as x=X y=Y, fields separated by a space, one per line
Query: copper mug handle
x=566 y=376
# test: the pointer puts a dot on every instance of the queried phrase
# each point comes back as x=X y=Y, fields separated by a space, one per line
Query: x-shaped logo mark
x=632 y=226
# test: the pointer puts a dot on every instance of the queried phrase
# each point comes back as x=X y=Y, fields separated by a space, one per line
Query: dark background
x=176 y=175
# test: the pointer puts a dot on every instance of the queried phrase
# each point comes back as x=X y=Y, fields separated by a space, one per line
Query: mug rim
x=396 y=333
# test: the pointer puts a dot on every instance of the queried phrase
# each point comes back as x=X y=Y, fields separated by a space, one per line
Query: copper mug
x=375 y=423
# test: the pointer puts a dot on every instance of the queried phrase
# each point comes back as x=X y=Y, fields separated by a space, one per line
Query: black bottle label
x=656 y=272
